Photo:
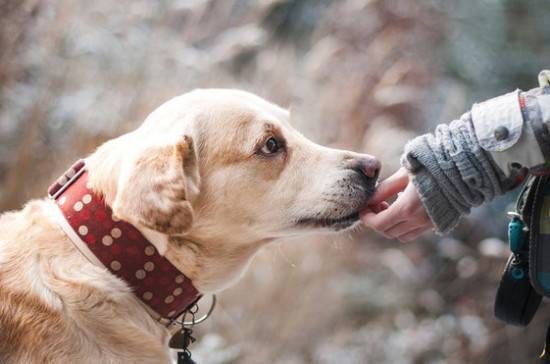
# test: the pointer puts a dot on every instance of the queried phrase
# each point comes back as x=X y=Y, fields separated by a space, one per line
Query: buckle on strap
x=66 y=179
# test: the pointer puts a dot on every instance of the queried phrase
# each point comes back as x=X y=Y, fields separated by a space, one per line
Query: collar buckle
x=67 y=179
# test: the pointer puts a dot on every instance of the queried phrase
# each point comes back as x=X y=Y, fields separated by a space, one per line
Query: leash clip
x=182 y=339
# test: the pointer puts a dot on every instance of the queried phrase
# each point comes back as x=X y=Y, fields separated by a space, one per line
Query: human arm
x=483 y=154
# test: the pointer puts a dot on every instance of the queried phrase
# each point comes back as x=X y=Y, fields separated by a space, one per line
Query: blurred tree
x=495 y=46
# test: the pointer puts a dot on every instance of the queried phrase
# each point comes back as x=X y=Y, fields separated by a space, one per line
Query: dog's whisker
x=285 y=257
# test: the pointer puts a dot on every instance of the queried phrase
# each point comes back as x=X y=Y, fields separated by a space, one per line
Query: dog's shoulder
x=25 y=318
x=27 y=322
x=56 y=306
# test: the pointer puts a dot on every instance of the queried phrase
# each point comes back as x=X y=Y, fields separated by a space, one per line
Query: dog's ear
x=156 y=189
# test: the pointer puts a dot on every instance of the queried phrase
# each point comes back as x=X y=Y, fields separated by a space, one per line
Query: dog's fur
x=196 y=181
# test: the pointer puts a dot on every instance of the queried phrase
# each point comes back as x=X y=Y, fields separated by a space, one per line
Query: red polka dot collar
x=119 y=246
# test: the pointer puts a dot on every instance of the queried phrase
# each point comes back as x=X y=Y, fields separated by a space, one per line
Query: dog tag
x=182 y=339
x=184 y=357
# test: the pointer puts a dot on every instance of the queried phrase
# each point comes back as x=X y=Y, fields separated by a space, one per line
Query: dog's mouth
x=335 y=224
x=353 y=201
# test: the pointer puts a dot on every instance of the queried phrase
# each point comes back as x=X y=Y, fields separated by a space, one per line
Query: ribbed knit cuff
x=440 y=210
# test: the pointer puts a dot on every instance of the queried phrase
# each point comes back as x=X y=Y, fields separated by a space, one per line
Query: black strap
x=533 y=115
x=545 y=355
x=539 y=240
x=542 y=135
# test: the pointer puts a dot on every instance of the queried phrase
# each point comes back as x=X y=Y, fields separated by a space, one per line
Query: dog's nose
x=369 y=166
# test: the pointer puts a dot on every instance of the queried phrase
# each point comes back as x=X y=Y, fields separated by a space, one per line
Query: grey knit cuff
x=452 y=173
x=439 y=209
x=425 y=177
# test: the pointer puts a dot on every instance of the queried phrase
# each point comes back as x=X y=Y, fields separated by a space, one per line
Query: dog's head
x=226 y=165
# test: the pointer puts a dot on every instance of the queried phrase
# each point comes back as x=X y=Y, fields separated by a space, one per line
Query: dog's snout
x=369 y=166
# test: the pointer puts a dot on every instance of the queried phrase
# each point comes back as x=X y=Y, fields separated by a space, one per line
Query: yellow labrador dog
x=207 y=180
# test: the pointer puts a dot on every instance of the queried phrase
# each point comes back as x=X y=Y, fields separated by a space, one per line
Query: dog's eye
x=271 y=146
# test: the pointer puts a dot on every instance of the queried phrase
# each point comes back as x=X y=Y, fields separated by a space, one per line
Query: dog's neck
x=211 y=266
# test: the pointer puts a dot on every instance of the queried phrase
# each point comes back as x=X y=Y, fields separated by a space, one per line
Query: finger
x=390 y=186
x=411 y=235
x=402 y=228
x=394 y=214
x=379 y=207
x=382 y=221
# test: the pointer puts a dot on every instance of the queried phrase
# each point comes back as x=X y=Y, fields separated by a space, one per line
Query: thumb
x=391 y=186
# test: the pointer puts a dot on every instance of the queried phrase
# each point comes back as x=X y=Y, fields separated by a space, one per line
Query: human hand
x=406 y=218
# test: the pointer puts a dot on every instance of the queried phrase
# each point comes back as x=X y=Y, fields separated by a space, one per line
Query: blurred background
x=365 y=75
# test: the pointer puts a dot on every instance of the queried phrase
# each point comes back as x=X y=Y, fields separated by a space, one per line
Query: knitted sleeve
x=481 y=155
x=452 y=173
